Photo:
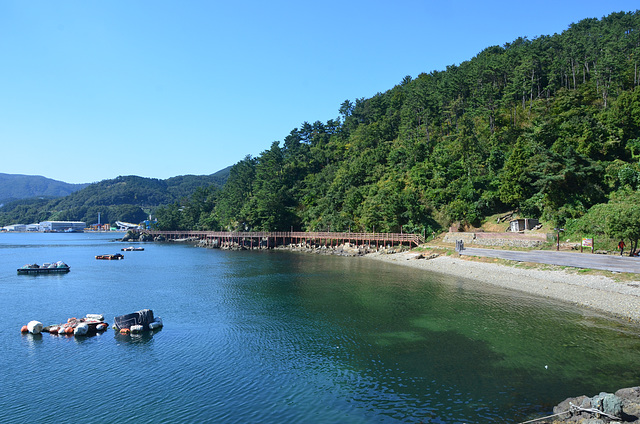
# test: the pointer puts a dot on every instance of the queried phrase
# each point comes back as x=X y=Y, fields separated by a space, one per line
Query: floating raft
x=45 y=268
x=93 y=324
x=90 y=325
x=111 y=257
x=137 y=322
x=132 y=249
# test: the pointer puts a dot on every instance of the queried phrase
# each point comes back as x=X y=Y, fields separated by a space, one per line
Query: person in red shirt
x=621 y=246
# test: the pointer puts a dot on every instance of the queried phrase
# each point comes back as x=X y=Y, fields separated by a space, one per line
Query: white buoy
x=34 y=327
x=157 y=323
x=136 y=328
x=81 y=330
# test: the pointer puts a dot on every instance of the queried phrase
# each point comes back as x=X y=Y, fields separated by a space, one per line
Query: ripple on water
x=270 y=338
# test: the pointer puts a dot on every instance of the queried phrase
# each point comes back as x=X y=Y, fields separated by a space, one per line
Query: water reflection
x=135 y=338
x=80 y=340
x=32 y=340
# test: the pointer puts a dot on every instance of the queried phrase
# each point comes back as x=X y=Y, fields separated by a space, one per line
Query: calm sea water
x=277 y=337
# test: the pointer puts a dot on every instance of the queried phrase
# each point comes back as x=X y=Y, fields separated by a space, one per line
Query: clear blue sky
x=90 y=90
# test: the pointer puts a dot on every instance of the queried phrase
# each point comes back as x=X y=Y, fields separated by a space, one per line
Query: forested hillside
x=15 y=186
x=129 y=199
x=550 y=126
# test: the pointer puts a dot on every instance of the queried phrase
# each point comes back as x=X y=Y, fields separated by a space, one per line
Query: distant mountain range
x=17 y=186
x=29 y=198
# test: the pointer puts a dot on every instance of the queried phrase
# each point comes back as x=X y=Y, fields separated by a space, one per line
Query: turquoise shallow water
x=276 y=337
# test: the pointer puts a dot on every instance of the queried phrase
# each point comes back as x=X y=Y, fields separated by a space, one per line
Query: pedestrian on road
x=621 y=246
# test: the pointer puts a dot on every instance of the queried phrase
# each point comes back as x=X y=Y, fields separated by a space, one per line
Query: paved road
x=615 y=263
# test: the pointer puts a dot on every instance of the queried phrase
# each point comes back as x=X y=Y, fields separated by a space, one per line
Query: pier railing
x=273 y=239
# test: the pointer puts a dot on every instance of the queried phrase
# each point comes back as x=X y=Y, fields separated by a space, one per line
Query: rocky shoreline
x=622 y=406
x=137 y=237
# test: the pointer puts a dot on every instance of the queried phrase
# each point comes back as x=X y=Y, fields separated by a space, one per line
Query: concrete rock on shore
x=624 y=405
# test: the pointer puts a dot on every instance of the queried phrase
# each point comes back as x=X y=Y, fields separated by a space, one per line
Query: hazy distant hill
x=125 y=198
x=16 y=186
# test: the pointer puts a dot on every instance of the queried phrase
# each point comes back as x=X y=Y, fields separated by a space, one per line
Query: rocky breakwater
x=346 y=249
x=622 y=406
x=133 y=236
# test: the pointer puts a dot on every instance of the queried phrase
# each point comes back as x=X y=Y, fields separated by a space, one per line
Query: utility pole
x=558 y=240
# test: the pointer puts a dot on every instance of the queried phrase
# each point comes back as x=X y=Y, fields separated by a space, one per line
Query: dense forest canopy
x=548 y=126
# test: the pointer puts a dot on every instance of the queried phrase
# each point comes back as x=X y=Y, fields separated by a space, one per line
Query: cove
x=278 y=337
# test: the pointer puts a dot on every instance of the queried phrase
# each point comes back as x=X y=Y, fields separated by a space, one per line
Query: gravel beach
x=604 y=294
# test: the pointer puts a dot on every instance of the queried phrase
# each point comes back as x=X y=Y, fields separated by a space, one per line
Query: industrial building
x=63 y=226
x=15 y=227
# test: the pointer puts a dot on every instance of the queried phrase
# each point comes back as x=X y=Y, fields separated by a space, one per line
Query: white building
x=15 y=227
x=125 y=226
x=522 y=224
x=63 y=226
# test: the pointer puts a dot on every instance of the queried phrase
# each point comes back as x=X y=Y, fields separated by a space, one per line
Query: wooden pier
x=248 y=239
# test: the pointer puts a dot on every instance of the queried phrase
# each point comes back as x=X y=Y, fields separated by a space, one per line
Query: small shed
x=522 y=224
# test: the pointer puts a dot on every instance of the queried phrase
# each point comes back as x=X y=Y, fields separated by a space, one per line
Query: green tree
x=233 y=208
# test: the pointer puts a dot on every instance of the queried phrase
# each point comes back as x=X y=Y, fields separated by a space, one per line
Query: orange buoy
x=72 y=319
x=124 y=331
x=68 y=330
x=24 y=329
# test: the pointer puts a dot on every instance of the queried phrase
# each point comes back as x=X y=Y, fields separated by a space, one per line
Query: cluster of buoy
x=93 y=324
x=87 y=326
x=139 y=328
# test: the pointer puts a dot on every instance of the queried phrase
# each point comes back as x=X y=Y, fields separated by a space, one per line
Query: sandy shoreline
x=604 y=294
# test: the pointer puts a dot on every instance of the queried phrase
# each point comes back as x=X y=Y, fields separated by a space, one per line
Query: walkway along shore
x=613 y=263
x=269 y=240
